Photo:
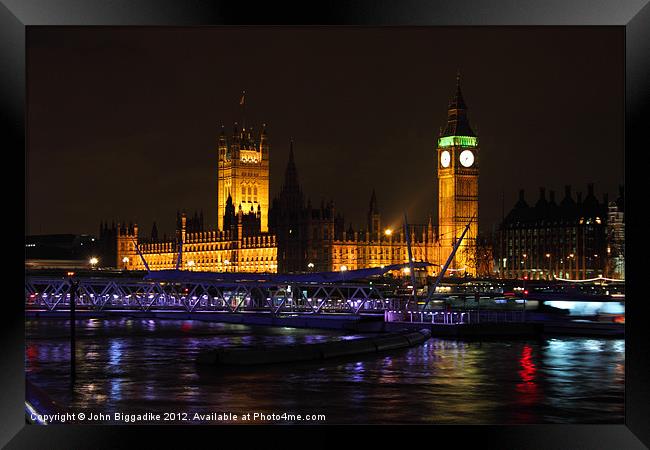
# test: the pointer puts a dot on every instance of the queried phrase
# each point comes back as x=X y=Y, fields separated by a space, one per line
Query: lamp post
x=125 y=260
x=548 y=257
x=93 y=262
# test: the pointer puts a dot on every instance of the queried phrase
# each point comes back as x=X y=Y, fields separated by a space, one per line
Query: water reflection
x=139 y=365
x=527 y=390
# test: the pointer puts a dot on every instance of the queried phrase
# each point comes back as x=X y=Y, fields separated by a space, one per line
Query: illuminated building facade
x=243 y=174
x=458 y=171
x=301 y=238
x=550 y=240
x=241 y=242
x=315 y=238
x=233 y=250
x=616 y=237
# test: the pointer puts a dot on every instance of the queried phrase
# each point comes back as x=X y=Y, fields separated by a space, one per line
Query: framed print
x=423 y=215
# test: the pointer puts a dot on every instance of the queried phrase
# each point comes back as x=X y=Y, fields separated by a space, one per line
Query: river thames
x=141 y=366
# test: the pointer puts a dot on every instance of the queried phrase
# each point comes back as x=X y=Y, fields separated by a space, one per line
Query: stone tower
x=458 y=171
x=288 y=221
x=127 y=236
x=374 y=219
x=243 y=172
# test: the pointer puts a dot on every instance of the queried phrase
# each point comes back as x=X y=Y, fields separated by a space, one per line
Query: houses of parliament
x=289 y=234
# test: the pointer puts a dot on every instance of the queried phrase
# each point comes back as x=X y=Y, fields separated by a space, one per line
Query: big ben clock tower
x=458 y=169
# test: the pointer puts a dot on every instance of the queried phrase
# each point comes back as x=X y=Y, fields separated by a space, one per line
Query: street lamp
x=388 y=232
x=310 y=266
x=570 y=269
x=93 y=262
x=190 y=263
x=548 y=255
x=344 y=268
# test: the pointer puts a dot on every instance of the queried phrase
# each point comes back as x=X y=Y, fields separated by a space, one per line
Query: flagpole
x=242 y=102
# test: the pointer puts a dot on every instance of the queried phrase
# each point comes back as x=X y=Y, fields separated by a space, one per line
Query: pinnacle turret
x=457 y=121
x=291 y=173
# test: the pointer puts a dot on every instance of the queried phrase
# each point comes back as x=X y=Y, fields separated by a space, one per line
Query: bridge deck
x=137 y=294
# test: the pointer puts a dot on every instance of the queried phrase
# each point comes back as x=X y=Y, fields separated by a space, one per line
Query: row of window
x=221 y=246
x=536 y=232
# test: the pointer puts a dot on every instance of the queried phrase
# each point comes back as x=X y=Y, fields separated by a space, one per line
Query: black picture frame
x=634 y=15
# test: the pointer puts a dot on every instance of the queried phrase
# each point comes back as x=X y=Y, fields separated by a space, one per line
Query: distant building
x=616 y=237
x=68 y=251
x=484 y=257
x=550 y=240
x=290 y=235
x=243 y=174
x=315 y=238
x=458 y=173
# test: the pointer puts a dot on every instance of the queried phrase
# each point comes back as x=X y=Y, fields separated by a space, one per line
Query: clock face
x=445 y=159
x=467 y=158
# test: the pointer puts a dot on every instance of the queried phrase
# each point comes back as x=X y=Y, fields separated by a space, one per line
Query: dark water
x=141 y=365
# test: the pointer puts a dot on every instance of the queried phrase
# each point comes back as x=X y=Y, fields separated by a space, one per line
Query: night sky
x=122 y=123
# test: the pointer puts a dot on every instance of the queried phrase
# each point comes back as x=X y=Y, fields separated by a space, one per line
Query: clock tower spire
x=458 y=170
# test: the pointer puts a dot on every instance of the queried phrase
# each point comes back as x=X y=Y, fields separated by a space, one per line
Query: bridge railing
x=53 y=293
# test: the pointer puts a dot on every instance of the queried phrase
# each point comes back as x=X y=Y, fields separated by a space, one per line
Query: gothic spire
x=373 y=203
x=291 y=173
x=457 y=121
x=154 y=233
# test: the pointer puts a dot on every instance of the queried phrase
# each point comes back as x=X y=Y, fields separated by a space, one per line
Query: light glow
x=445 y=159
x=466 y=158
x=462 y=141
x=589 y=279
